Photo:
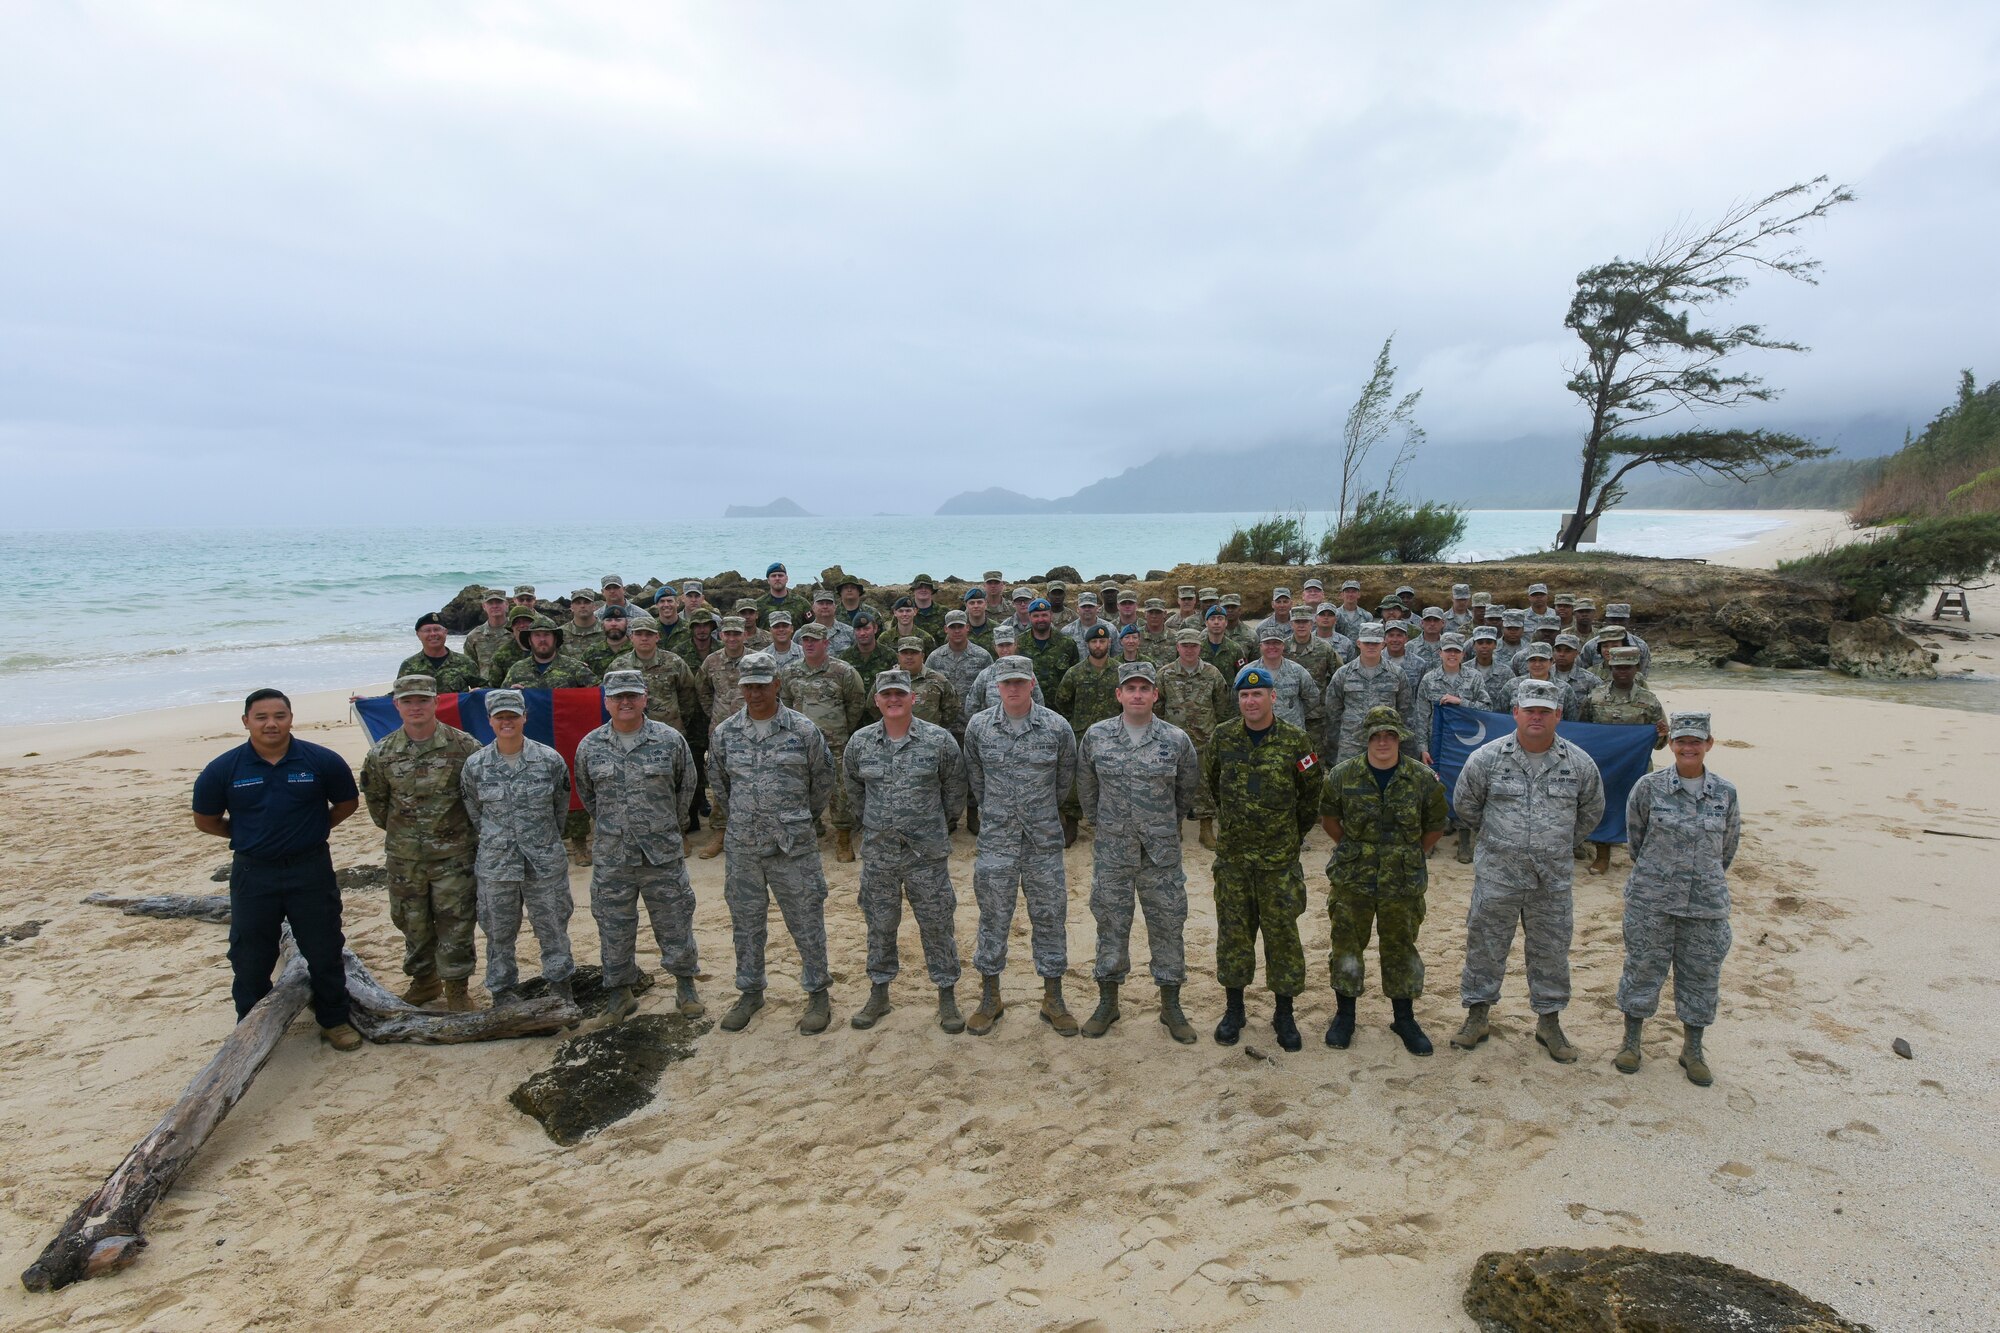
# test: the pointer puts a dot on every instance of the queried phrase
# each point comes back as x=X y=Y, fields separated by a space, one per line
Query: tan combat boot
x=342 y=1037
x=1629 y=1056
x=1054 y=1012
x=1207 y=837
x=1549 y=1033
x=989 y=1010
x=1602 y=865
x=457 y=999
x=1474 y=1030
x=423 y=988
x=714 y=848
x=843 y=846
x=1692 y=1059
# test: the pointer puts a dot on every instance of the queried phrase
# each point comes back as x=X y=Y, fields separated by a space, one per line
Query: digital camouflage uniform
x=1354 y=690
x=794 y=602
x=455 y=674
x=773 y=785
x=1528 y=812
x=1226 y=656
x=1637 y=706
x=1137 y=791
x=985 y=693
x=1683 y=837
x=1197 y=700
x=670 y=691
x=563 y=672
x=414 y=795
x=1267 y=796
x=1467 y=685
x=720 y=694
x=1378 y=874
x=601 y=654
x=903 y=796
x=579 y=640
x=1318 y=656
x=1572 y=709
x=517 y=810
x=1017 y=773
x=1052 y=657
x=482 y=642
x=870 y=664
x=831 y=698
x=960 y=669
x=934 y=699
x=639 y=800
x=1296 y=698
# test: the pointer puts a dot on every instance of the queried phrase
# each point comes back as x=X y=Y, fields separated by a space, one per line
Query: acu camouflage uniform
x=517 y=809
x=1136 y=791
x=414 y=795
x=1378 y=873
x=1267 y=793
x=1018 y=773
x=1196 y=699
x=456 y=674
x=904 y=796
x=831 y=698
x=1683 y=837
x=639 y=799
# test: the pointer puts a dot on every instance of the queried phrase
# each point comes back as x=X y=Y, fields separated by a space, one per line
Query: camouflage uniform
x=482 y=641
x=1137 y=791
x=831 y=698
x=517 y=808
x=413 y=794
x=1528 y=811
x=577 y=640
x=794 y=603
x=1268 y=795
x=639 y=799
x=1018 y=773
x=1319 y=657
x=1087 y=695
x=1637 y=706
x=601 y=654
x=1435 y=685
x=985 y=693
x=455 y=674
x=1354 y=690
x=1572 y=709
x=563 y=672
x=1683 y=837
x=934 y=699
x=1157 y=648
x=1052 y=657
x=774 y=779
x=1226 y=657
x=1378 y=873
x=870 y=664
x=716 y=687
x=1197 y=700
x=1347 y=622
x=670 y=690
x=904 y=795
x=959 y=669
x=1297 y=698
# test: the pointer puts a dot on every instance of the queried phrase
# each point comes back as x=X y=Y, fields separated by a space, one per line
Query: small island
x=782 y=507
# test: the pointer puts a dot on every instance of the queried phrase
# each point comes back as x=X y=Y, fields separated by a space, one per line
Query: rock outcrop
x=1625 y=1290
x=1875 y=648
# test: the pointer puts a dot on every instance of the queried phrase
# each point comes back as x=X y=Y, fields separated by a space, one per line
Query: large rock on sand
x=604 y=1075
x=1876 y=649
x=1627 y=1290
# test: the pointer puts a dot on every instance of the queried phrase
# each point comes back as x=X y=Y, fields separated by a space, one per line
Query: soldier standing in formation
x=484 y=640
x=1195 y=698
x=453 y=672
x=829 y=694
x=1622 y=700
x=1366 y=682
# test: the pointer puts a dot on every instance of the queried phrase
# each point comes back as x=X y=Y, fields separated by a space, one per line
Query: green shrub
x=1894 y=571
x=1386 y=531
x=1278 y=540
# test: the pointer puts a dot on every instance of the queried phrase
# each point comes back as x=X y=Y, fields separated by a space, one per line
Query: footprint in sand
x=1737 y=1178
x=1859 y=1134
x=1814 y=1062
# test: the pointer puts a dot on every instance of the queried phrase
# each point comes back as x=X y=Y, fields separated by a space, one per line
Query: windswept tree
x=1377 y=415
x=1647 y=357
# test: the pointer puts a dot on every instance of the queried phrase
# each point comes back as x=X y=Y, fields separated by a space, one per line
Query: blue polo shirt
x=276 y=809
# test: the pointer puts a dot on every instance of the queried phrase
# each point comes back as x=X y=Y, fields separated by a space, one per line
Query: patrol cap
x=1346 y=584
x=1127 y=595
x=1285 y=593
x=691 y=587
x=990 y=576
x=1192 y=636
x=611 y=581
x=1210 y=595
x=1383 y=718
x=1451 y=643
x=902 y=602
x=1495 y=611
x=523 y=613
x=1460 y=590
x=1486 y=634
x=1535 y=650
x=641 y=624
x=1568 y=640
x=1110 y=594
x=1514 y=619
x=1304 y=613
x=524 y=590
x=493 y=595
x=895 y=678
x=1137 y=671
x=1396 y=627
x=1406 y=588
x=812 y=630
x=583 y=595
x=1097 y=632
x=1389 y=604
x=1617 y=610
x=616 y=613
x=744 y=604
x=667 y=593
x=1324 y=609
x=754 y=669
x=1215 y=611
x=1541 y=588
x=1155 y=604
x=1255 y=677
x=1005 y=634
x=1011 y=667
x=1565 y=599
x=624 y=682
x=824 y=595
x=1312 y=583
x=430 y=618
x=955 y=618
x=1022 y=594
x=1684 y=724
x=1370 y=632
x=910 y=643
x=406 y=686
x=781 y=618
x=505 y=701
x=1619 y=657
x=1432 y=613
x=775 y=567
x=1586 y=604
x=1185 y=590
x=1272 y=634
x=1478 y=598
x=1039 y=604
x=1231 y=599
x=924 y=581
x=1539 y=694
x=732 y=623
x=1057 y=585
x=1087 y=599
x=1612 y=634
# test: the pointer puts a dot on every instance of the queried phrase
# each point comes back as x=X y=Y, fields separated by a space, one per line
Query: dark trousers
x=265 y=895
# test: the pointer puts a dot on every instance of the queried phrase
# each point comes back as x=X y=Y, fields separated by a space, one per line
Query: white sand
x=1805 y=532
x=860 y=1179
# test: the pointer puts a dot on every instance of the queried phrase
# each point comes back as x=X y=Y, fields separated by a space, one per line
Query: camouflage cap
x=1494 y=612
x=1189 y=636
x=703 y=617
x=522 y=613
x=406 y=686
x=812 y=632
x=1327 y=609
x=1619 y=657
x=1272 y=634
x=524 y=590
x=924 y=581
x=1612 y=634
x=1303 y=614
x=895 y=678
x=1514 y=619
x=1087 y=599
x=1688 y=724
x=1541 y=588
x=955 y=618
x=624 y=682
x=583 y=595
x=1370 y=632
x=1350 y=584
x=733 y=623
x=825 y=595
x=1312 y=583
x=1022 y=594
x=1568 y=641
x=1586 y=603
x=1406 y=588
x=910 y=643
x=1109 y=592
x=1057 y=585
x=1478 y=598
x=1127 y=595
x=1137 y=671
x=1005 y=633
x=781 y=618
x=1285 y=593
x=1231 y=599
x=1255 y=677
x=1209 y=595
x=542 y=623
x=641 y=624
x=1539 y=694
x=1389 y=604
x=692 y=587
x=1155 y=604
x=756 y=669
x=1617 y=611
x=505 y=701
x=1551 y=631
x=850 y=581
x=1565 y=599
x=1185 y=590
x=1383 y=718
x=1451 y=643
x=744 y=604
x=1486 y=634
x=493 y=595
x=1461 y=592
x=1398 y=626
x=1432 y=613
x=1538 y=650
x=1011 y=667
x=1099 y=631
x=990 y=576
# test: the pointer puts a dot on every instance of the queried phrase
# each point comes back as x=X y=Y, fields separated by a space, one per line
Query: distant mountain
x=782 y=507
x=995 y=500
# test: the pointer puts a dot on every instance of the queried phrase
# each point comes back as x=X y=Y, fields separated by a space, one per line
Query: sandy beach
x=1805 y=532
x=1024 y=1181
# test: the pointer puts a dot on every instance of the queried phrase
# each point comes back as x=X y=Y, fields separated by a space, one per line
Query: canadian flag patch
x=1307 y=764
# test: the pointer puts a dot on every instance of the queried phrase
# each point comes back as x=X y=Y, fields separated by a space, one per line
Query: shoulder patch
x=1308 y=763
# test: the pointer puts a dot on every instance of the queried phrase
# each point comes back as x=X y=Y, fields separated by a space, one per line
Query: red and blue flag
x=556 y=718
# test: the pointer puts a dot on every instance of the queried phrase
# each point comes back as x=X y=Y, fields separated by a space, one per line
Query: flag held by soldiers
x=1622 y=754
x=556 y=718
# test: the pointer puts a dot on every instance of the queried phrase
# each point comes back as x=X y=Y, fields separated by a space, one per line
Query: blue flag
x=1622 y=753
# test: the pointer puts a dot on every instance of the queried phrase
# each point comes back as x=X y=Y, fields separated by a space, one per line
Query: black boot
x=1340 y=1032
x=1405 y=1026
x=1231 y=1026
x=1282 y=1024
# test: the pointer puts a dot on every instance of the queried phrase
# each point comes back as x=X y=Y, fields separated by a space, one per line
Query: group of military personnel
x=790 y=713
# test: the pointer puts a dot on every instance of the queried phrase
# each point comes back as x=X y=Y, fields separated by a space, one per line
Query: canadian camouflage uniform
x=1267 y=795
x=1528 y=812
x=1378 y=874
x=794 y=603
x=1354 y=690
x=456 y=674
x=1137 y=790
x=1052 y=657
x=1683 y=837
x=773 y=786
x=870 y=664
x=1017 y=774
x=683 y=644
x=1196 y=699
x=639 y=800
x=517 y=810
x=831 y=698
x=1227 y=656
x=562 y=672
x=930 y=619
x=414 y=795
x=904 y=796
x=670 y=691
x=600 y=655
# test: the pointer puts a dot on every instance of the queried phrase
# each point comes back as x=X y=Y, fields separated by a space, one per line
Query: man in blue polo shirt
x=276 y=798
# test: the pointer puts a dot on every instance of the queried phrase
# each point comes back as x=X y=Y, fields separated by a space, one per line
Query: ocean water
x=113 y=622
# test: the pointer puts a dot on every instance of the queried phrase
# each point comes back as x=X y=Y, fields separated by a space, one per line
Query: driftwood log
x=198 y=907
x=103 y=1234
x=380 y=1016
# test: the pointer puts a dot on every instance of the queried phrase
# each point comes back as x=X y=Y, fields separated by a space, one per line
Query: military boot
x=1692 y=1059
x=457 y=999
x=1173 y=1019
x=1054 y=1012
x=948 y=1016
x=1106 y=1014
x=714 y=847
x=423 y=988
x=503 y=995
x=747 y=1004
x=1549 y=1034
x=869 y=1014
x=1285 y=1026
x=620 y=1005
x=1602 y=865
x=989 y=1010
x=1069 y=830
x=686 y=1000
x=1207 y=834
x=1465 y=846
x=342 y=1037
x=819 y=1012
x=1629 y=1055
x=1231 y=1026
x=1473 y=1031
x=564 y=990
x=843 y=846
x=579 y=851
x=1405 y=1026
x=1340 y=1032
x=1086 y=829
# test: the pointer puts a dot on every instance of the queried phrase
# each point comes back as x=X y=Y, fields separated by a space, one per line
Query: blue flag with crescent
x=1622 y=753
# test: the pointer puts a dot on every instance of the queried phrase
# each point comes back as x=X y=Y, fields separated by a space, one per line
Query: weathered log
x=382 y=1017
x=198 y=907
x=103 y=1234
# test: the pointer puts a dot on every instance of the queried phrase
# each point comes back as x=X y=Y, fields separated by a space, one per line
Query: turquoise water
x=122 y=621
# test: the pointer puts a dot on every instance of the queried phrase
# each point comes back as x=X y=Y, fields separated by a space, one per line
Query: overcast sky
x=340 y=260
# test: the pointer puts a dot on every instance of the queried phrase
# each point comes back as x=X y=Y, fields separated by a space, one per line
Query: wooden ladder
x=1951 y=600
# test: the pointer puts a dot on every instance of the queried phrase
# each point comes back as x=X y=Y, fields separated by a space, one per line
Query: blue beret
x=666 y=593
x=1129 y=629
x=1254 y=677
x=975 y=594
x=1215 y=610
x=777 y=567
x=1040 y=604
